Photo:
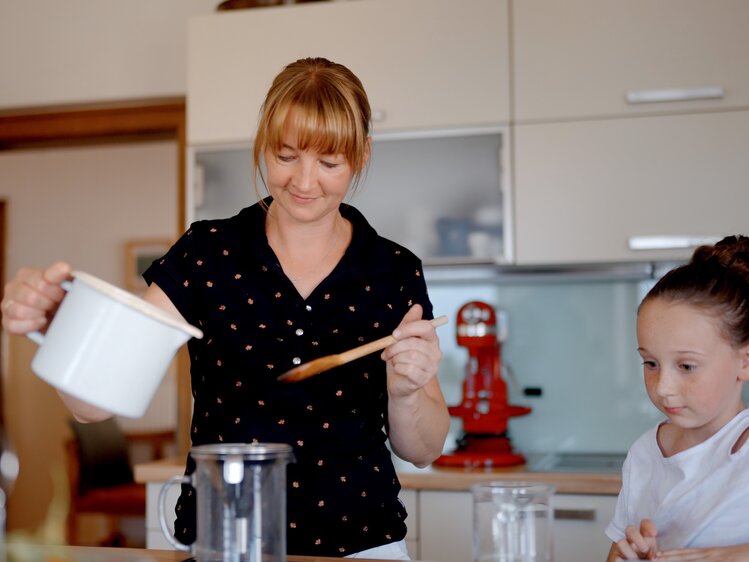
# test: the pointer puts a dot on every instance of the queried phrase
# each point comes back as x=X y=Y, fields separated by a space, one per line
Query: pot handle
x=36 y=336
x=162 y=507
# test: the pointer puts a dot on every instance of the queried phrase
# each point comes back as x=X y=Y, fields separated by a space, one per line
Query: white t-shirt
x=697 y=498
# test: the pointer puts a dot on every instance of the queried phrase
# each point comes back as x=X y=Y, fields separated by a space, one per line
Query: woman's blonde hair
x=330 y=109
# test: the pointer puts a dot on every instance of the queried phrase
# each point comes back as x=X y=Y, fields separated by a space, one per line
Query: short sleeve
x=176 y=273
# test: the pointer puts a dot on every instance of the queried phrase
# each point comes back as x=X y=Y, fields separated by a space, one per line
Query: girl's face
x=306 y=185
x=692 y=372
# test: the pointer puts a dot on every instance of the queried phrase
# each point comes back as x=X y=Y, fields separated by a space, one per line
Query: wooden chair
x=101 y=478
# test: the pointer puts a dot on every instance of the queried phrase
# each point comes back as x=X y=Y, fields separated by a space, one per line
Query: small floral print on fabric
x=253 y=321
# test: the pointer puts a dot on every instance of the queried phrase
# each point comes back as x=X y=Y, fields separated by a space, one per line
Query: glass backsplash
x=576 y=341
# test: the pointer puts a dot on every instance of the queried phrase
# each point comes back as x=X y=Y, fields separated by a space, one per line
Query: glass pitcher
x=512 y=522
x=241 y=502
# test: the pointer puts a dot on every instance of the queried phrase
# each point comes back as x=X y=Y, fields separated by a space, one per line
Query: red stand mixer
x=484 y=408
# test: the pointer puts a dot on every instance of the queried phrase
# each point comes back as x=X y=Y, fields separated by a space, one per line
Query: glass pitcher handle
x=162 y=508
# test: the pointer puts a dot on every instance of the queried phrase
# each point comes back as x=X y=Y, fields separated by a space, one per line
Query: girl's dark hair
x=716 y=279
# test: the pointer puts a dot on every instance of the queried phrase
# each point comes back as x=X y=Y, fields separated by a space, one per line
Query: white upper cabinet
x=594 y=58
x=426 y=64
x=594 y=191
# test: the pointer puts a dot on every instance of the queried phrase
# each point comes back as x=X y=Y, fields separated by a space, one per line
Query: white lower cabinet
x=440 y=524
x=445 y=526
x=154 y=537
x=410 y=499
x=579 y=525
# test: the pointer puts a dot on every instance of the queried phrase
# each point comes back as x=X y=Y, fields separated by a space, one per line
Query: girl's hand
x=639 y=544
x=31 y=298
x=413 y=360
x=739 y=553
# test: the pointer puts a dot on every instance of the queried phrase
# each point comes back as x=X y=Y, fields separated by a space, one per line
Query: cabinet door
x=580 y=523
x=446 y=526
x=410 y=499
x=154 y=536
x=446 y=193
x=584 y=190
x=425 y=64
x=581 y=57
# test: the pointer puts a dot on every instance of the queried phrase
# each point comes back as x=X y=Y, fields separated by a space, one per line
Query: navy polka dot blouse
x=223 y=277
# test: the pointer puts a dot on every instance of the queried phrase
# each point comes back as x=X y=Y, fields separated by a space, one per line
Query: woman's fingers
x=32 y=297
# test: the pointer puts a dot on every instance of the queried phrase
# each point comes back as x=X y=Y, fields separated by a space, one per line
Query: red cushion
x=125 y=499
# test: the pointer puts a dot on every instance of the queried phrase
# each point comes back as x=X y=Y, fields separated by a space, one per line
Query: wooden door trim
x=125 y=121
x=117 y=121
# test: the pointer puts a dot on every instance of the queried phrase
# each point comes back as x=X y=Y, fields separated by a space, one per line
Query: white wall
x=82 y=204
x=58 y=52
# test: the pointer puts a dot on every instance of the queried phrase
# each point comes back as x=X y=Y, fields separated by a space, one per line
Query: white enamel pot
x=108 y=347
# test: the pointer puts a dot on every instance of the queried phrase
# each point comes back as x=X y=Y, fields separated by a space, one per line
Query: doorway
x=45 y=135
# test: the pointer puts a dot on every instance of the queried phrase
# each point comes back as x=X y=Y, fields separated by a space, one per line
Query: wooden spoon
x=328 y=362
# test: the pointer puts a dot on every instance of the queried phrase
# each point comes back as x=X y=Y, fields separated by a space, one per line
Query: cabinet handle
x=669 y=242
x=575 y=514
x=378 y=115
x=674 y=94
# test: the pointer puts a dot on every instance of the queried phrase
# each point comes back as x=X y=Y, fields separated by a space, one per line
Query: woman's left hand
x=413 y=360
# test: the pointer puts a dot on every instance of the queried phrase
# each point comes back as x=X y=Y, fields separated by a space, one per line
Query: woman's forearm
x=418 y=424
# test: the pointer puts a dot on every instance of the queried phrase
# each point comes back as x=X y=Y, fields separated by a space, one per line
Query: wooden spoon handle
x=376 y=345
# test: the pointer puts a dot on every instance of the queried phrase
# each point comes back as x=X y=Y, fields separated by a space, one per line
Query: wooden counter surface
x=22 y=552
x=438 y=478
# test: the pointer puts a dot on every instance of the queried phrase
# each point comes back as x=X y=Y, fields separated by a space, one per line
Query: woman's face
x=692 y=372
x=306 y=186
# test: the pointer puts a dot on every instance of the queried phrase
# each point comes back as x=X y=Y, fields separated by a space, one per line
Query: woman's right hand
x=29 y=302
x=31 y=298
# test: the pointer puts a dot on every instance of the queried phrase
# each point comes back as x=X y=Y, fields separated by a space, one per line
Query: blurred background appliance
x=484 y=408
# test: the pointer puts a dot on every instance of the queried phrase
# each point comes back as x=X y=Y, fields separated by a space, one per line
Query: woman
x=297 y=276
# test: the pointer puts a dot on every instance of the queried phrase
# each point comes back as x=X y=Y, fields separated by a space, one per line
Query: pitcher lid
x=251 y=451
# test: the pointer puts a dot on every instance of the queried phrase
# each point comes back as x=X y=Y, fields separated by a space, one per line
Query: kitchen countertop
x=441 y=478
x=26 y=552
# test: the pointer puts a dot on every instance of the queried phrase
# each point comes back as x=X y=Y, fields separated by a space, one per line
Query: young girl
x=685 y=488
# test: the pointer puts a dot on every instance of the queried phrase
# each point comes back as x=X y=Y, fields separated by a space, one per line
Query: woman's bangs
x=323 y=129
